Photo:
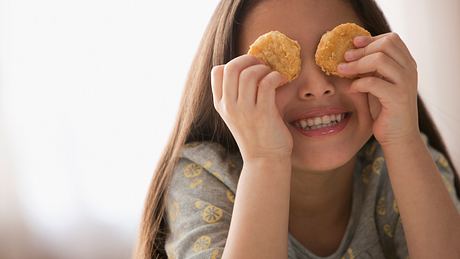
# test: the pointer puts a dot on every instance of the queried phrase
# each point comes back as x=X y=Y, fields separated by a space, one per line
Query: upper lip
x=317 y=112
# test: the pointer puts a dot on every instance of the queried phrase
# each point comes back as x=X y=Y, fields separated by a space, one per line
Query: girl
x=240 y=179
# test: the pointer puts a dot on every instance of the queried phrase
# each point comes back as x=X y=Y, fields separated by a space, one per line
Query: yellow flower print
x=442 y=161
x=199 y=204
x=371 y=150
x=215 y=254
x=395 y=207
x=192 y=170
x=211 y=214
x=349 y=254
x=387 y=230
x=381 y=206
x=230 y=196
x=195 y=183
x=366 y=174
x=377 y=165
x=201 y=243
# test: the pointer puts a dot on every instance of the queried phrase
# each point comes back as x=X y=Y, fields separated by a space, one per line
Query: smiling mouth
x=319 y=122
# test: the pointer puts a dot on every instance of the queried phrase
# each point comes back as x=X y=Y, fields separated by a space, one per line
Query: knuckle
x=248 y=73
x=216 y=69
x=370 y=80
x=231 y=68
x=387 y=42
x=269 y=82
x=380 y=55
x=363 y=51
x=216 y=72
x=393 y=36
x=254 y=72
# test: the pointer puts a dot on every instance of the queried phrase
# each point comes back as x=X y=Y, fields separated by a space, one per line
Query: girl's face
x=313 y=93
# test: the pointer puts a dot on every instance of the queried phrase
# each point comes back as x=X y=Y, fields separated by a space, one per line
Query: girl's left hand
x=389 y=76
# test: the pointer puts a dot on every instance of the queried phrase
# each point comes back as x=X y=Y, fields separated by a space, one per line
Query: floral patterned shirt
x=200 y=201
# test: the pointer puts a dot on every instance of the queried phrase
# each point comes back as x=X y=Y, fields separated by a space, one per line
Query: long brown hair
x=197 y=120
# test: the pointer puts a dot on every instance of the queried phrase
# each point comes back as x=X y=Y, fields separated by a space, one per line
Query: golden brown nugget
x=334 y=44
x=279 y=52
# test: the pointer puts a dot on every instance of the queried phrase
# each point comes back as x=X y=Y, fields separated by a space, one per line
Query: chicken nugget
x=333 y=45
x=279 y=52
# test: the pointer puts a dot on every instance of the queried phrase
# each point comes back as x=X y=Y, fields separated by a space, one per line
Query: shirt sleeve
x=447 y=175
x=198 y=208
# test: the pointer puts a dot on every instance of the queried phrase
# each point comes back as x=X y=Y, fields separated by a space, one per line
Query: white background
x=88 y=95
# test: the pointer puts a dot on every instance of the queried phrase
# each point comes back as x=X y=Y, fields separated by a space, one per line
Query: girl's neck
x=323 y=196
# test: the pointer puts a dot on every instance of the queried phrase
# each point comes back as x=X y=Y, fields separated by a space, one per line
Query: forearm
x=431 y=222
x=259 y=225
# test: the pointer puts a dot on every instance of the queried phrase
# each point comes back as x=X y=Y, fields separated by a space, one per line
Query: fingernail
x=360 y=40
x=342 y=66
x=348 y=55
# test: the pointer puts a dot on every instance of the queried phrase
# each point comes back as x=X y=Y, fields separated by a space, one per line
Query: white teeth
x=303 y=123
x=319 y=122
x=338 y=117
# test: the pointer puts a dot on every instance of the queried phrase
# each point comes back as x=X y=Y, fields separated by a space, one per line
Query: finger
x=362 y=41
x=232 y=72
x=374 y=106
x=248 y=82
x=373 y=85
x=396 y=38
x=378 y=63
x=389 y=43
x=217 y=75
x=267 y=87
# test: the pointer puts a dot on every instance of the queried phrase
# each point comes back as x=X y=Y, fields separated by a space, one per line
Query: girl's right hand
x=244 y=96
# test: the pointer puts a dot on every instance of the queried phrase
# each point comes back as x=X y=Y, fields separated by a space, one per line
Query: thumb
x=374 y=106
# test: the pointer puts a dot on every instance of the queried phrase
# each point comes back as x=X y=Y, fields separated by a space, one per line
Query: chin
x=320 y=161
x=326 y=156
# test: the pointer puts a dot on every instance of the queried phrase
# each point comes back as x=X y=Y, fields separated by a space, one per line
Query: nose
x=315 y=84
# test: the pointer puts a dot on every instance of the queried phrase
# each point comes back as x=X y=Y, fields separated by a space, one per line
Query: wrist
x=275 y=162
x=410 y=142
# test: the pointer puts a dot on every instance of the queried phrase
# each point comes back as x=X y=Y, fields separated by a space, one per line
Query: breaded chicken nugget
x=279 y=52
x=334 y=44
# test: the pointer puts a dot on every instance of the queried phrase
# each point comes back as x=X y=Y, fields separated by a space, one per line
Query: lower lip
x=330 y=130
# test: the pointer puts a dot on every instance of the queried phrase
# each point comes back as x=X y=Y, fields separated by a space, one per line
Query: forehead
x=302 y=20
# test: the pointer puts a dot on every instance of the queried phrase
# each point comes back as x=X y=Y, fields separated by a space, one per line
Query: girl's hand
x=244 y=96
x=390 y=78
